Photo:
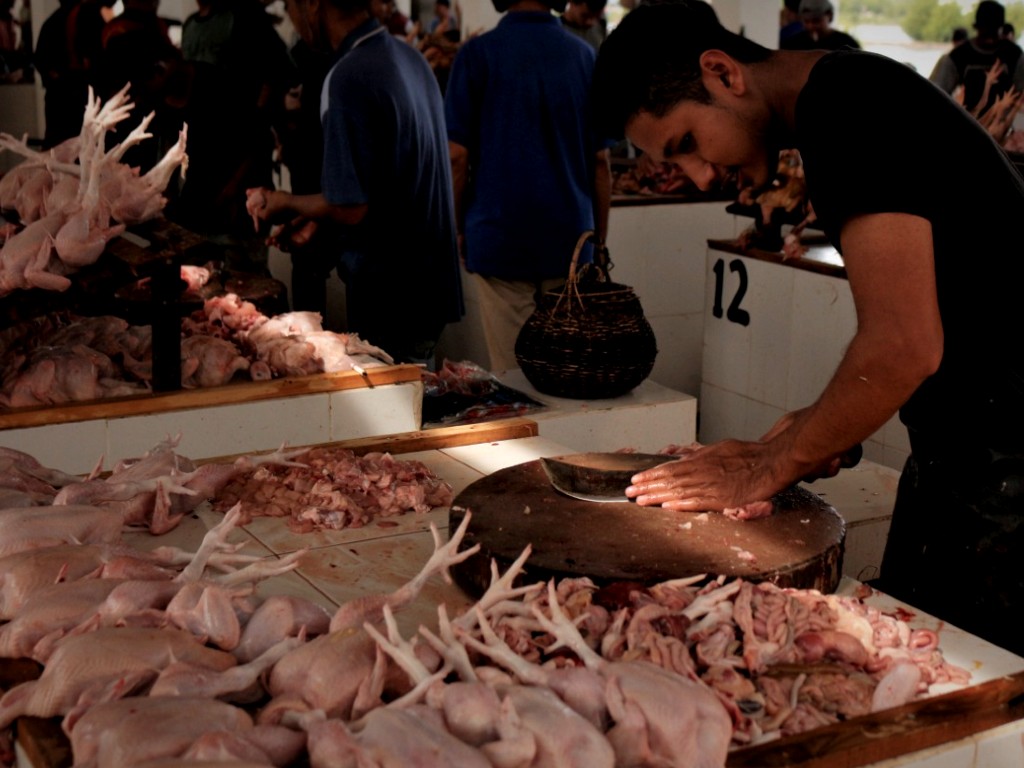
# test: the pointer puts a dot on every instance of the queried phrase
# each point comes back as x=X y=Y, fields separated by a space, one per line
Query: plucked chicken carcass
x=108 y=663
x=23 y=574
x=24 y=528
x=188 y=599
x=130 y=731
x=21 y=471
x=159 y=488
x=338 y=672
x=71 y=210
x=517 y=725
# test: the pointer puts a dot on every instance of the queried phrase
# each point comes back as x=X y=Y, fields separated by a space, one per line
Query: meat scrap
x=336 y=489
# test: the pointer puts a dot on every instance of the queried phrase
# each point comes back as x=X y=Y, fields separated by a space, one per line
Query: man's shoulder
x=1009 y=52
x=847 y=39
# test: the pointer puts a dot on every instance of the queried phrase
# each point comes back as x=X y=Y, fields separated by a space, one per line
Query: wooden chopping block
x=800 y=545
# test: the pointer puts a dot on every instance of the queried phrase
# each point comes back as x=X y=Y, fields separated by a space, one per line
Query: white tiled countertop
x=380 y=557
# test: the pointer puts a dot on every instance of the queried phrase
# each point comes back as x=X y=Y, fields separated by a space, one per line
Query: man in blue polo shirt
x=386 y=182
x=530 y=173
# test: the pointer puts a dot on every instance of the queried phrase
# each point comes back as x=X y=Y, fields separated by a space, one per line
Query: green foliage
x=943 y=20
x=923 y=20
x=1015 y=16
x=872 y=11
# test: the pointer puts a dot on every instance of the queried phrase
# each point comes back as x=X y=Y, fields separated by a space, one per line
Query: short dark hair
x=960 y=34
x=989 y=15
x=351 y=6
x=651 y=60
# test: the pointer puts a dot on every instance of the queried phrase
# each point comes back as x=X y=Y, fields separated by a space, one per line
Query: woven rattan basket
x=590 y=340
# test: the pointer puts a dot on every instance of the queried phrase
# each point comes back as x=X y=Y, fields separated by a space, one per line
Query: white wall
x=757 y=20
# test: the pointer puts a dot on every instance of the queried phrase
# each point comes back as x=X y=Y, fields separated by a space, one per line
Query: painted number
x=733 y=313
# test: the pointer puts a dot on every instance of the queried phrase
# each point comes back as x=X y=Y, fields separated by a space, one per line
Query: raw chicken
x=335 y=672
x=209 y=362
x=107 y=663
x=279 y=617
x=396 y=738
x=21 y=470
x=130 y=731
x=660 y=717
x=69 y=208
x=25 y=573
x=24 y=528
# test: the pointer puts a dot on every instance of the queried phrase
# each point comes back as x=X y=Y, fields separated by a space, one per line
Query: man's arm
x=899 y=340
x=944 y=74
x=275 y=205
x=460 y=175
x=602 y=193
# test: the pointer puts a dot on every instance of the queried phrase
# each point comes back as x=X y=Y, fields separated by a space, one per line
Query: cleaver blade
x=600 y=477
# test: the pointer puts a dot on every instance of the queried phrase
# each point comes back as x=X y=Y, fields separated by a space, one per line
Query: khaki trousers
x=504 y=306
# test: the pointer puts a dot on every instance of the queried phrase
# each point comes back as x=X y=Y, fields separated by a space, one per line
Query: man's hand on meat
x=714 y=477
x=898 y=344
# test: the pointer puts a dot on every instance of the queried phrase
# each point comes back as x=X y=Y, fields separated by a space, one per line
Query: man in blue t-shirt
x=530 y=173
x=386 y=181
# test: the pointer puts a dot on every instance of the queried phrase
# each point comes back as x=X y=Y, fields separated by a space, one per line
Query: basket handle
x=576 y=254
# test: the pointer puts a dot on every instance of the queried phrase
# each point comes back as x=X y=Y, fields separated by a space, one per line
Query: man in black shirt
x=932 y=255
x=971 y=64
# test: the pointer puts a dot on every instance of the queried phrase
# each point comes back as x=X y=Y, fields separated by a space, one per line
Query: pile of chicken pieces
x=69 y=210
x=60 y=359
x=557 y=674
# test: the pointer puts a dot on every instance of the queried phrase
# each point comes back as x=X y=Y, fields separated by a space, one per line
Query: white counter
x=647 y=419
x=774 y=333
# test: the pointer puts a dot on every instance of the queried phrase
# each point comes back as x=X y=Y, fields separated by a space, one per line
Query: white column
x=755 y=19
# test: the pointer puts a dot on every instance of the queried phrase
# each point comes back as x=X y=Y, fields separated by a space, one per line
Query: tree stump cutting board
x=800 y=545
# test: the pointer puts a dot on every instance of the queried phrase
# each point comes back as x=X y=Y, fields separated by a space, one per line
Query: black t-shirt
x=876 y=137
x=973 y=63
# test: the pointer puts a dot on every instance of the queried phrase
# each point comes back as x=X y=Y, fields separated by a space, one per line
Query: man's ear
x=722 y=69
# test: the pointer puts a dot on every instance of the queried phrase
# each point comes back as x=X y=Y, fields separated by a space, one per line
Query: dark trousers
x=956 y=545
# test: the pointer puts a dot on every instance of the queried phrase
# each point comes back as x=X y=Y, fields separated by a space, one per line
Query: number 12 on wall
x=733 y=313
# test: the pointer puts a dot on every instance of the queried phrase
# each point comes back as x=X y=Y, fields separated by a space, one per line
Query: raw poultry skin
x=23 y=528
x=130 y=731
x=336 y=672
x=109 y=662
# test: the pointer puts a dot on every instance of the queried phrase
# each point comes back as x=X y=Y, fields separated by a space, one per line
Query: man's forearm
x=602 y=193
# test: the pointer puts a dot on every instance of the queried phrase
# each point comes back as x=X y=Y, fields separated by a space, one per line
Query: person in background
x=66 y=87
x=983 y=63
x=531 y=174
x=386 y=181
x=816 y=16
x=240 y=72
x=14 y=63
x=937 y=328
x=397 y=23
x=302 y=152
x=137 y=50
x=960 y=36
x=1007 y=32
x=789 y=20
x=585 y=19
x=444 y=18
